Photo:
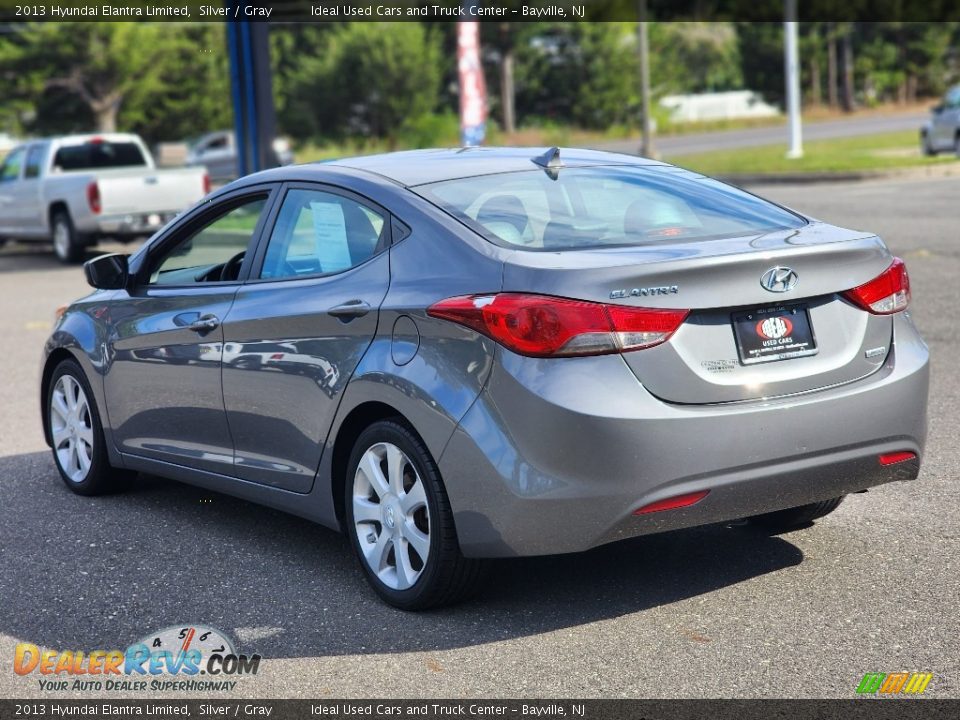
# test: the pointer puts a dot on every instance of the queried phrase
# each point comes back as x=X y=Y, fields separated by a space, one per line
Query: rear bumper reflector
x=897 y=457
x=672 y=503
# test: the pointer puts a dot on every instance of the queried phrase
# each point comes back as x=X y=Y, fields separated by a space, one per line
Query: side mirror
x=937 y=109
x=107 y=272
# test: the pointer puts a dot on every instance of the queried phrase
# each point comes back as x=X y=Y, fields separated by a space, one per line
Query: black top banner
x=298 y=11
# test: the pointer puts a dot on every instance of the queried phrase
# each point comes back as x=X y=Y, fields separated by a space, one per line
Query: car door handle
x=205 y=324
x=349 y=310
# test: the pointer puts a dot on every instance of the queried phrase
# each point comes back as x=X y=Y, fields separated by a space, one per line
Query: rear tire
x=956 y=145
x=79 y=446
x=67 y=244
x=400 y=523
x=793 y=518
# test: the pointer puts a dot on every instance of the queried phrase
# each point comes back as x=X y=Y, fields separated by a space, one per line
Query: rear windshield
x=604 y=206
x=98 y=155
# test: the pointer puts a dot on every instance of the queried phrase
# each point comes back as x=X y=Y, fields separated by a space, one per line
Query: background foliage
x=396 y=82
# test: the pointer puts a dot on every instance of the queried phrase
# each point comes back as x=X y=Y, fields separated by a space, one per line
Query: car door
x=162 y=385
x=10 y=173
x=298 y=329
x=27 y=197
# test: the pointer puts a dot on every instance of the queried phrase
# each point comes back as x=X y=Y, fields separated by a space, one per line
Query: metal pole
x=236 y=89
x=646 y=128
x=792 y=72
x=253 y=133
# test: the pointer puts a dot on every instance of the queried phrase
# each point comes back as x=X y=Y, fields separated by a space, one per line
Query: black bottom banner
x=857 y=709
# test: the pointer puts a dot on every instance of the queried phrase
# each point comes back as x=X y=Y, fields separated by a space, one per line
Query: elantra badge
x=779 y=279
x=645 y=292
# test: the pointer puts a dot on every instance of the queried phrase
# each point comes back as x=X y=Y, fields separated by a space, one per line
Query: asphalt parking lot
x=719 y=611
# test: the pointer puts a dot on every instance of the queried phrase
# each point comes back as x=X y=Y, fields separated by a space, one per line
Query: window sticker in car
x=330 y=233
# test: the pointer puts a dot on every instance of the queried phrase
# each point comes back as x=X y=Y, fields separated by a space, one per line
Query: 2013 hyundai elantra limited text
x=456 y=355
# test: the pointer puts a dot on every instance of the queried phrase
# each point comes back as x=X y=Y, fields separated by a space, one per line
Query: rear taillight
x=544 y=326
x=887 y=293
x=206 y=183
x=93 y=198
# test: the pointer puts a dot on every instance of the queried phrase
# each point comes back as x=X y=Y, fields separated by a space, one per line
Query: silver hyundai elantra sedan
x=458 y=355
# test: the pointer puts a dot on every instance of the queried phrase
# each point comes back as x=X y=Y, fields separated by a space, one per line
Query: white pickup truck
x=77 y=189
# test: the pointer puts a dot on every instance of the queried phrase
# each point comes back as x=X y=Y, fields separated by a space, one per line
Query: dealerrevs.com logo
x=170 y=659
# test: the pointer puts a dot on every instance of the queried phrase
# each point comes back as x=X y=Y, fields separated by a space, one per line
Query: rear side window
x=604 y=206
x=95 y=155
x=320 y=233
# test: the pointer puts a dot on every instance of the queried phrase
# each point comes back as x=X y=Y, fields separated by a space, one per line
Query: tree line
x=397 y=82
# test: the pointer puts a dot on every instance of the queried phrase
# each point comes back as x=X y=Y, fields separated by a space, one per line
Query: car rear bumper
x=556 y=455
x=128 y=224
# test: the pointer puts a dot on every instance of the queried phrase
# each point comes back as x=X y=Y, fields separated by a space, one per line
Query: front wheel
x=76 y=435
x=792 y=518
x=956 y=146
x=925 y=147
x=400 y=523
x=67 y=244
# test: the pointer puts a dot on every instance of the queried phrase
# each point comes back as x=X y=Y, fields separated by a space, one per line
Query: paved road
x=720 y=611
x=675 y=145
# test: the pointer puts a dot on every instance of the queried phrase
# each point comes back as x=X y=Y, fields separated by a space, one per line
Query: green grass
x=332 y=151
x=535 y=135
x=856 y=154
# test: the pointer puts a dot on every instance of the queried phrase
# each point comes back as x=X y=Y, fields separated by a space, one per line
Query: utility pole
x=792 y=72
x=646 y=128
x=849 y=102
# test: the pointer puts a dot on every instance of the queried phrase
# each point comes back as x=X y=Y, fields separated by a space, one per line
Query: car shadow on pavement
x=87 y=573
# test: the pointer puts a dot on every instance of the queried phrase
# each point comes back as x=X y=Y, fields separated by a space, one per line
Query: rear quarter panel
x=430 y=371
x=68 y=190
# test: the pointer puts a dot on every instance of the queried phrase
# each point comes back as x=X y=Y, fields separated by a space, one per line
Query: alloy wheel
x=61 y=239
x=71 y=427
x=391 y=516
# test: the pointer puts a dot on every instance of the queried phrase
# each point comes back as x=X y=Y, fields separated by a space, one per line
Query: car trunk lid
x=719 y=281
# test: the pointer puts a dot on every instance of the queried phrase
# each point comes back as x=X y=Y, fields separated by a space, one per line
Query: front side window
x=319 y=233
x=215 y=252
x=11 y=166
x=604 y=206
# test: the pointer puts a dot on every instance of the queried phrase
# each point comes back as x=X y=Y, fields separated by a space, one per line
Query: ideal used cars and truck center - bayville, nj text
x=214 y=12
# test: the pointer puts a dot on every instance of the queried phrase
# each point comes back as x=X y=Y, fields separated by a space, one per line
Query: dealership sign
x=473 y=91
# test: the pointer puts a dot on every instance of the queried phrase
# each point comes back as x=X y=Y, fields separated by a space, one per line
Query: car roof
x=419 y=167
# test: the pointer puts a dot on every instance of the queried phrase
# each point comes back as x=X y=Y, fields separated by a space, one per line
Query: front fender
x=82 y=334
